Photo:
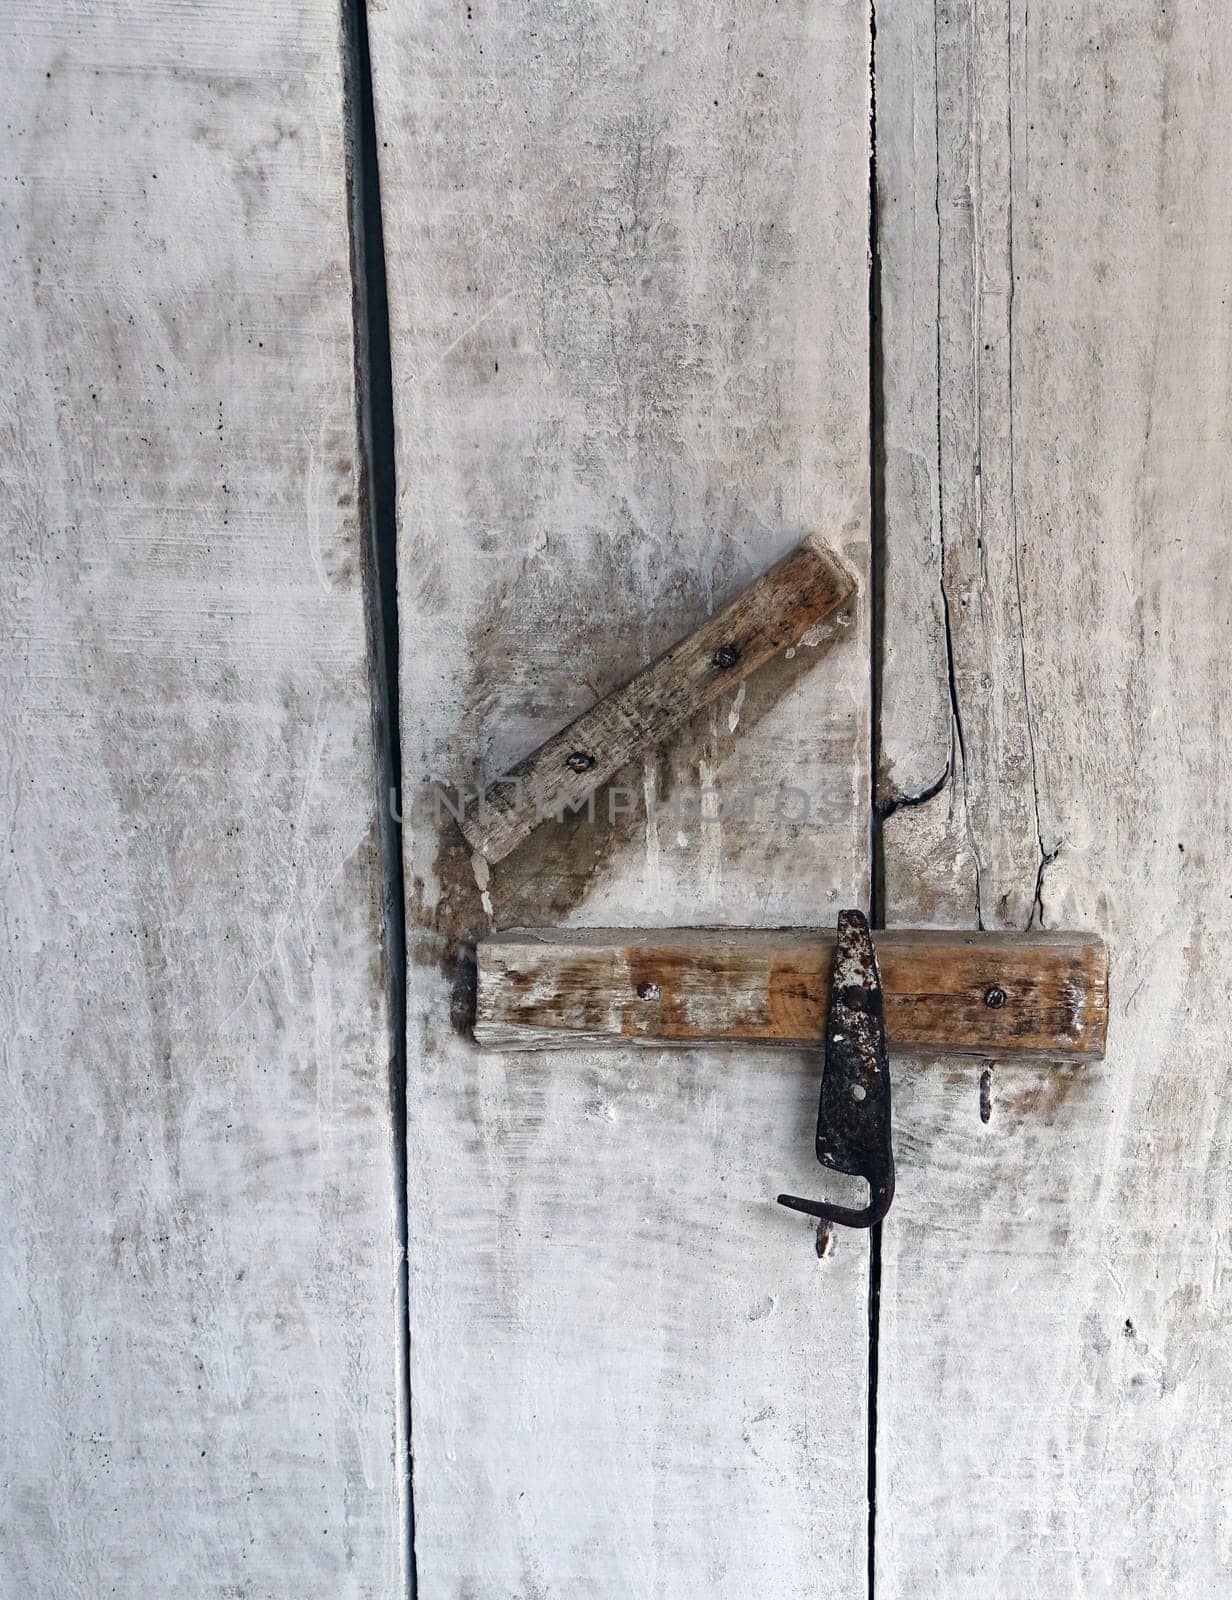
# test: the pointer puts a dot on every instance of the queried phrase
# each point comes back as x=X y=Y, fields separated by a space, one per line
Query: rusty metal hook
x=853 y=1117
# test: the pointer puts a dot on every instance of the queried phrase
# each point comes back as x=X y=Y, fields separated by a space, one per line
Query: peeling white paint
x=483 y=877
x=737 y=705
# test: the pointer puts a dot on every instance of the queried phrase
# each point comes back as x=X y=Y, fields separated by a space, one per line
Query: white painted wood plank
x=915 y=734
x=198 y=1267
x=1054 y=1312
x=628 y=278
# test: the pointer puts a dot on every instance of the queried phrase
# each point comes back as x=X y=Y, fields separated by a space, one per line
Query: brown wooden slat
x=544 y=988
x=772 y=614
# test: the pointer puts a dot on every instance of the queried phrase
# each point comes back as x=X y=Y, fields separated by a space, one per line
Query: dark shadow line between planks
x=877 y=539
x=378 y=515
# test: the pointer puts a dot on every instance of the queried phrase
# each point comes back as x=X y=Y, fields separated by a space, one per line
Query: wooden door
x=606 y=373
x=645 y=333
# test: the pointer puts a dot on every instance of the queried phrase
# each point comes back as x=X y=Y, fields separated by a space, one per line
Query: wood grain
x=198 y=1272
x=772 y=614
x=1054 y=1303
x=628 y=283
x=540 y=988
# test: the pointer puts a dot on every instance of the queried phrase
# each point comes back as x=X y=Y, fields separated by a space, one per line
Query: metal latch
x=853 y=1117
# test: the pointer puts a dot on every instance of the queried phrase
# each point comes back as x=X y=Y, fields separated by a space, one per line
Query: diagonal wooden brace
x=772 y=614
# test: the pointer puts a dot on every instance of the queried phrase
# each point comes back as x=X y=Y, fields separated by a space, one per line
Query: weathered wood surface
x=982 y=993
x=1054 y=1308
x=770 y=616
x=628 y=284
x=198 y=1268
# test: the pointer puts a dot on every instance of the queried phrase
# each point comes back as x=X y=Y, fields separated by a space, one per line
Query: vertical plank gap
x=378 y=511
x=876 y=437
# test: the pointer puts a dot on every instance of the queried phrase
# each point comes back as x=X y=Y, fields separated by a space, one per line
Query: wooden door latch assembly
x=995 y=995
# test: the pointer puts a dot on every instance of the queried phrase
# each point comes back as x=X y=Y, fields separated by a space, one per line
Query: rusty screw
x=994 y=998
x=648 y=991
x=579 y=761
x=726 y=656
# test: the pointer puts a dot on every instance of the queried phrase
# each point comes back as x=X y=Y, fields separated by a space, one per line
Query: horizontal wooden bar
x=772 y=614
x=993 y=994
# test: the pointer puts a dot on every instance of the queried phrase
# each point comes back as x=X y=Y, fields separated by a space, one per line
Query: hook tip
x=845 y=1216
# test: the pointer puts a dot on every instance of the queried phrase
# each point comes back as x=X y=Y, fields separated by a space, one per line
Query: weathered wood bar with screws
x=994 y=994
